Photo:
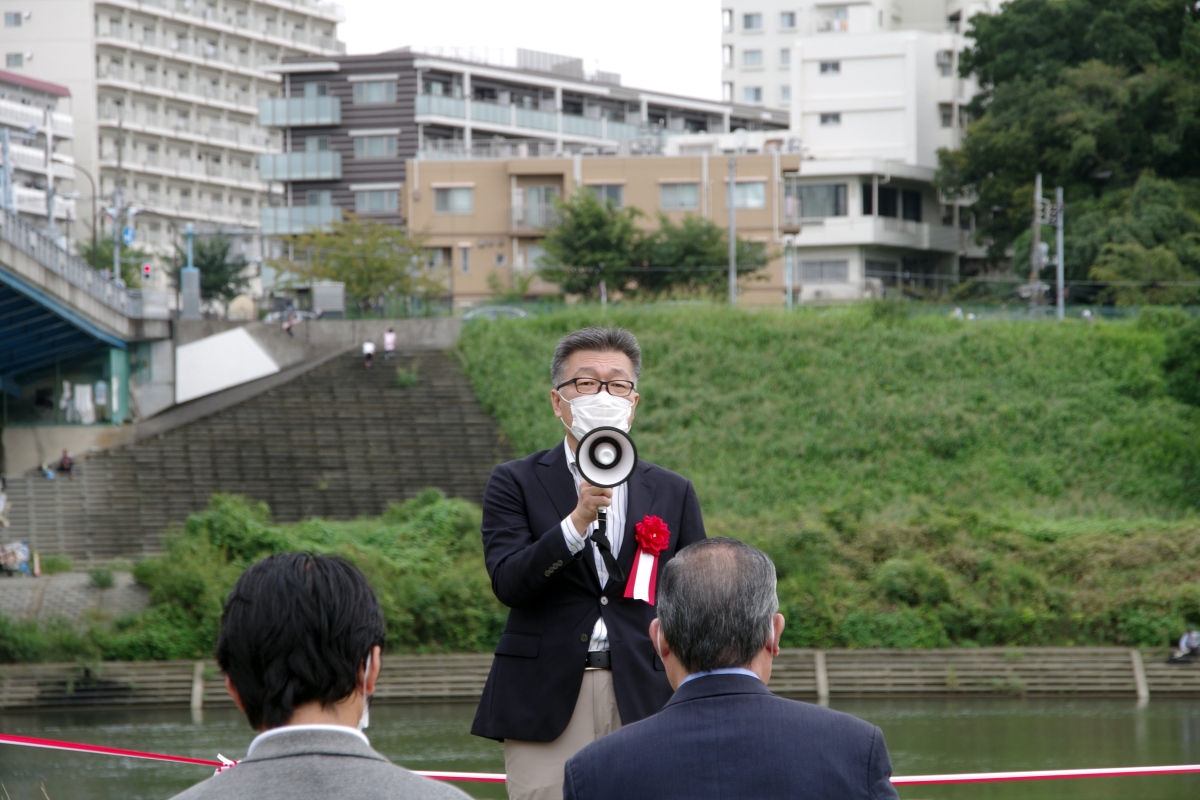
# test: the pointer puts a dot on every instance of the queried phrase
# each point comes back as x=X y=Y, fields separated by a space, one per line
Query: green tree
x=375 y=261
x=132 y=259
x=592 y=242
x=1182 y=363
x=692 y=257
x=222 y=271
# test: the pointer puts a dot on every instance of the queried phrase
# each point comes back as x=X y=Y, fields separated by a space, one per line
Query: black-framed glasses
x=618 y=388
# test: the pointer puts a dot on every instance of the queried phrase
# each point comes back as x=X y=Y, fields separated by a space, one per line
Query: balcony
x=885 y=231
x=518 y=118
x=177 y=89
x=533 y=216
x=298 y=219
x=209 y=132
x=33 y=201
x=325 y=165
x=290 y=112
x=18 y=115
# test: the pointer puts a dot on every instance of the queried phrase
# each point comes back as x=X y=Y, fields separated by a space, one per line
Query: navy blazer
x=555 y=598
x=727 y=736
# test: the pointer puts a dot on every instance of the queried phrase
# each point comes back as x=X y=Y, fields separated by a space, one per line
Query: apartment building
x=165 y=95
x=351 y=124
x=486 y=216
x=35 y=118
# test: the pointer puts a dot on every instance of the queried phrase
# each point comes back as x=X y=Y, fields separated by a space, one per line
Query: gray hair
x=601 y=340
x=716 y=604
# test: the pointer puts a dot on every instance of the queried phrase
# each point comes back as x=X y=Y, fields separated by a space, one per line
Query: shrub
x=1182 y=363
x=102 y=577
x=53 y=564
x=406 y=378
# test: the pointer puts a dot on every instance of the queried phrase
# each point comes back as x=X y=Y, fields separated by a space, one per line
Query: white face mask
x=591 y=411
x=365 y=719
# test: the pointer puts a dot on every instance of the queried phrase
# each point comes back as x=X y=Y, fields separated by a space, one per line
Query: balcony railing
x=534 y=216
x=244 y=136
x=182 y=89
x=539 y=120
x=441 y=106
x=253 y=24
x=325 y=165
x=33 y=201
x=514 y=116
x=288 y=112
x=18 y=115
x=298 y=219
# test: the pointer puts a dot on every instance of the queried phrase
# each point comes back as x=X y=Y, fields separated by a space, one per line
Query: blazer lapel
x=556 y=479
x=641 y=500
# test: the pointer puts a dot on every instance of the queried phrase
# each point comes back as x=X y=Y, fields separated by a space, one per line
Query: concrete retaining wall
x=803 y=674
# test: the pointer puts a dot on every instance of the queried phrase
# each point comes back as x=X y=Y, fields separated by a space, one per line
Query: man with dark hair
x=723 y=734
x=300 y=644
x=575 y=661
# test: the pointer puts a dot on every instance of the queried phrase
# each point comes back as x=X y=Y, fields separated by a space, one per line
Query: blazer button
x=603 y=601
x=547 y=572
x=583 y=637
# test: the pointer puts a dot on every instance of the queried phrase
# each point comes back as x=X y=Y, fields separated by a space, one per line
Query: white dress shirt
x=615 y=533
x=312 y=727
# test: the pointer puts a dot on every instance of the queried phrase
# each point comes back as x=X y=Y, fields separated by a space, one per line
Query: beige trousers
x=535 y=769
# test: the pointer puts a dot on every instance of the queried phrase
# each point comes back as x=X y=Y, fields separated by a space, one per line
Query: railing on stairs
x=77 y=272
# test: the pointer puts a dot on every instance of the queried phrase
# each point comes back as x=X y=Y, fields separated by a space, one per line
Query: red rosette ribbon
x=653 y=536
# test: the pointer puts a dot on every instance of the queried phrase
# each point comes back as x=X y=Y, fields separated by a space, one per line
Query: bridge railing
x=73 y=269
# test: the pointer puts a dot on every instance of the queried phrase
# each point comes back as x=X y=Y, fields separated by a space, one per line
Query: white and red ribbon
x=644 y=578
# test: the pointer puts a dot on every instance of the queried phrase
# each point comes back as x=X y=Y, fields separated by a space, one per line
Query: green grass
x=918 y=481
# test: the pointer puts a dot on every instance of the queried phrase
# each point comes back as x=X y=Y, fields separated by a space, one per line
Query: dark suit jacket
x=555 y=598
x=727 y=736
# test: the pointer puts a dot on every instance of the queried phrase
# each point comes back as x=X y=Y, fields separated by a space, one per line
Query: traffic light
x=146 y=272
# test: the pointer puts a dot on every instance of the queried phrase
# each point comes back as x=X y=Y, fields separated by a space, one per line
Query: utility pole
x=1035 y=255
x=732 y=232
x=1059 y=212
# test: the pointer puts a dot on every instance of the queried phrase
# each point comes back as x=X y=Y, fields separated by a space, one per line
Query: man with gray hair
x=575 y=660
x=723 y=734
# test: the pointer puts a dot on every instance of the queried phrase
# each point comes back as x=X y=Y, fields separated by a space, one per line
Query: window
x=727 y=92
x=879 y=269
x=947 y=113
x=945 y=63
x=316 y=144
x=787 y=20
x=889 y=201
x=14 y=60
x=318 y=197
x=831 y=67
x=752 y=22
x=464 y=259
x=752 y=58
x=785 y=93
x=377 y=201
x=752 y=94
x=679 y=196
x=374 y=146
x=824 y=271
x=12 y=19
x=375 y=92
x=534 y=254
x=727 y=20
x=727 y=55
x=316 y=89
x=750 y=194
x=822 y=200
x=613 y=193
x=785 y=56
x=499 y=259
x=457 y=200
x=911 y=207
x=831 y=119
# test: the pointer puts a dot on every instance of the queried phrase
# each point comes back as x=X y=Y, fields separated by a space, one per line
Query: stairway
x=340 y=441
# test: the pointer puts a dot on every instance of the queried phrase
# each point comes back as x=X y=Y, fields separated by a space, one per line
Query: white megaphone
x=606 y=457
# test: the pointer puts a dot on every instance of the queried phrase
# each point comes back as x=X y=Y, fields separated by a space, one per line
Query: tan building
x=484 y=217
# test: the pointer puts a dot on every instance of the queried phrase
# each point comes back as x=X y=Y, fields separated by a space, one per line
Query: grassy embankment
x=919 y=482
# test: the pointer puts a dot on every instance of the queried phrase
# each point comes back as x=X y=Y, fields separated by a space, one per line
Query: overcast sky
x=665 y=45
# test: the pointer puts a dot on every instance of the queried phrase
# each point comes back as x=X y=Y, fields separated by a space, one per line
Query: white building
x=36 y=117
x=165 y=93
x=873 y=91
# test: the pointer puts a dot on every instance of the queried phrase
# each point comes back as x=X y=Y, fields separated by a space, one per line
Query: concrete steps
x=340 y=441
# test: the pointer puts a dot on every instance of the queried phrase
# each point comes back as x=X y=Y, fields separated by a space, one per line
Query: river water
x=924 y=736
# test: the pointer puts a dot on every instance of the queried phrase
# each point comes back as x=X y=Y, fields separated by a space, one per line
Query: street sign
x=127 y=235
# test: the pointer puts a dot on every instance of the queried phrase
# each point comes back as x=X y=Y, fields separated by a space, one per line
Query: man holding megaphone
x=573 y=538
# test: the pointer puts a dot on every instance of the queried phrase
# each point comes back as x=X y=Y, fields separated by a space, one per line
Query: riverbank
x=813 y=675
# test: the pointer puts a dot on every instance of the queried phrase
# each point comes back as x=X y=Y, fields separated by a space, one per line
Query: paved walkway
x=70 y=595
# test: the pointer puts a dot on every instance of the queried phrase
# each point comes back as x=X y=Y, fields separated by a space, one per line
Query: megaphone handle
x=602 y=520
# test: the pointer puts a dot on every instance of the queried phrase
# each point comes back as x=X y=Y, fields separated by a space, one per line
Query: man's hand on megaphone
x=591 y=499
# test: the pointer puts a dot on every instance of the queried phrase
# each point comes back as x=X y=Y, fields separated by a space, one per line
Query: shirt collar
x=721 y=671
x=297 y=728
x=570 y=455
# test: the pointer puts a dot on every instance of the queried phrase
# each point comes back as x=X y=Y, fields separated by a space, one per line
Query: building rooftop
x=25 y=82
